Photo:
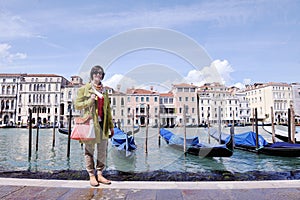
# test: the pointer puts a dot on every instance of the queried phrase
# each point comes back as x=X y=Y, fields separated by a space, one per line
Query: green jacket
x=83 y=101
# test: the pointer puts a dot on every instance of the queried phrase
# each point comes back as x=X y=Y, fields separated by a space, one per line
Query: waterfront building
x=118 y=102
x=42 y=94
x=138 y=101
x=215 y=99
x=67 y=99
x=296 y=100
x=167 y=111
x=9 y=90
x=264 y=95
x=185 y=95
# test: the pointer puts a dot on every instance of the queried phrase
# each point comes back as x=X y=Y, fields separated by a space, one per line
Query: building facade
x=9 y=97
x=50 y=97
x=40 y=93
x=263 y=96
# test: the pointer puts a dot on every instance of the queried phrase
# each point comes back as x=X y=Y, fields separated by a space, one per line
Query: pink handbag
x=83 y=129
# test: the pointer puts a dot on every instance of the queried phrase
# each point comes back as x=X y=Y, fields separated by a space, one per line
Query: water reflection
x=14 y=155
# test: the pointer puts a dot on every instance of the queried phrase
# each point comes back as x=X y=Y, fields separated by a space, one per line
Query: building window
x=155 y=98
x=147 y=99
x=165 y=100
x=136 y=99
x=122 y=101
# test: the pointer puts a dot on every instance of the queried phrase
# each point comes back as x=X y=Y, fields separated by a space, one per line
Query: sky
x=144 y=43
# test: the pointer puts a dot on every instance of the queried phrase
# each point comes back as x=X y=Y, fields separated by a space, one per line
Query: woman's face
x=97 y=76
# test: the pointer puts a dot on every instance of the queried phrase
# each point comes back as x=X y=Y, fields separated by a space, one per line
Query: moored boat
x=247 y=142
x=123 y=142
x=282 y=135
x=194 y=147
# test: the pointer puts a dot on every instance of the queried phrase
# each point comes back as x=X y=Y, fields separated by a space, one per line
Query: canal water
x=14 y=154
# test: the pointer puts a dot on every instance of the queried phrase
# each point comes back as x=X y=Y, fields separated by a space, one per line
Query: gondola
x=282 y=135
x=194 y=147
x=123 y=142
x=63 y=131
x=247 y=142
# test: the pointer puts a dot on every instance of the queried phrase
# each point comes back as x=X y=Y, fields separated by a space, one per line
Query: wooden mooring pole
x=293 y=128
x=158 y=126
x=37 y=129
x=69 y=131
x=184 y=128
x=256 y=126
x=53 y=133
x=133 y=123
x=289 y=125
x=147 y=122
x=30 y=133
x=273 y=126
x=208 y=129
x=219 y=124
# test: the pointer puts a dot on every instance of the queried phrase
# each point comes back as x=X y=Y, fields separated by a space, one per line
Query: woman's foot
x=93 y=181
x=103 y=180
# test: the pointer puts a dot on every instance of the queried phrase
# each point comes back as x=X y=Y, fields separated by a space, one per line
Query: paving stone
x=26 y=193
x=141 y=194
x=173 y=194
x=7 y=190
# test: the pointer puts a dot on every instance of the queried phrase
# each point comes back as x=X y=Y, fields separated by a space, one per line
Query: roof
x=140 y=91
x=169 y=94
x=28 y=75
x=184 y=85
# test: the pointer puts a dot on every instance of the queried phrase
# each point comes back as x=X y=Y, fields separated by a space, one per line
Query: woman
x=92 y=95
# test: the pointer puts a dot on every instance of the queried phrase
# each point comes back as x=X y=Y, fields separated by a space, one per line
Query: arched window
x=69 y=95
x=48 y=98
x=8 y=90
x=13 y=89
x=7 y=104
x=122 y=101
x=3 y=90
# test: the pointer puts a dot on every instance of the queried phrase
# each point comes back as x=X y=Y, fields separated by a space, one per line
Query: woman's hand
x=93 y=97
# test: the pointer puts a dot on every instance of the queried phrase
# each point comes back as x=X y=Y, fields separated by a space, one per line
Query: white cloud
x=224 y=69
x=119 y=79
x=6 y=56
x=243 y=85
x=218 y=71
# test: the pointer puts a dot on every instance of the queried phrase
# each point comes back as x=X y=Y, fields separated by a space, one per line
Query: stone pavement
x=12 y=188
